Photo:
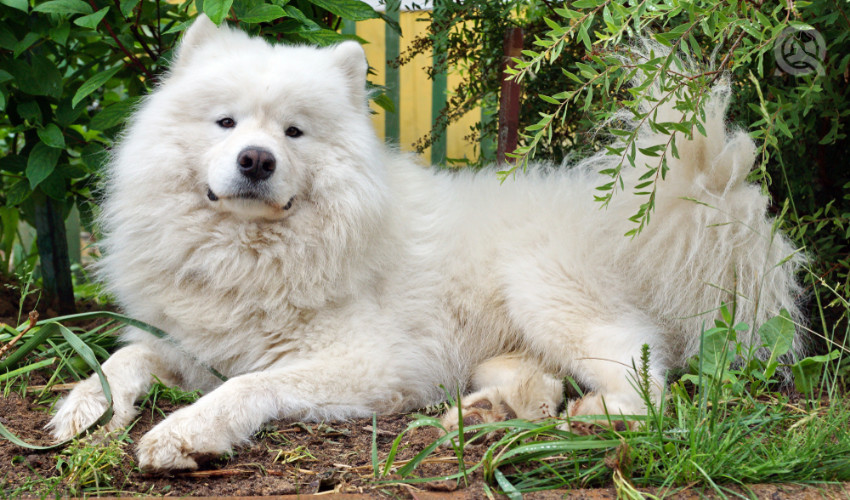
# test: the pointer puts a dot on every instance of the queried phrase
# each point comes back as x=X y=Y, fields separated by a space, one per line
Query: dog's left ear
x=200 y=32
x=350 y=57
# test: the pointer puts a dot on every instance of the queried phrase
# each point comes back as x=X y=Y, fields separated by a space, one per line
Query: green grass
x=724 y=423
x=87 y=465
x=162 y=392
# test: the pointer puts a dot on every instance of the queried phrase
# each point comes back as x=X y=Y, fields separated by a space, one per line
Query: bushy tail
x=709 y=240
x=712 y=160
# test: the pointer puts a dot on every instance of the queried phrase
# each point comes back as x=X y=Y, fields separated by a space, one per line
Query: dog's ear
x=200 y=32
x=350 y=57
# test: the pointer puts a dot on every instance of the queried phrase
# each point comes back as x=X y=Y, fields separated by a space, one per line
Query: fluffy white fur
x=385 y=280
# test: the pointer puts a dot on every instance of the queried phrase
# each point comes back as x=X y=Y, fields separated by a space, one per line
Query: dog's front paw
x=613 y=415
x=180 y=442
x=162 y=449
x=79 y=410
x=83 y=406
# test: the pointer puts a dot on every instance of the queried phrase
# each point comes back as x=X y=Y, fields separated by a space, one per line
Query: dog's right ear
x=199 y=33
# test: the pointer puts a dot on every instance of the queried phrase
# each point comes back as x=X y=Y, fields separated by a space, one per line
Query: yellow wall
x=415 y=93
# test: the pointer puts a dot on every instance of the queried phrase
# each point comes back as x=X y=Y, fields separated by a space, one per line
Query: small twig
x=380 y=432
x=52 y=388
x=33 y=319
x=215 y=473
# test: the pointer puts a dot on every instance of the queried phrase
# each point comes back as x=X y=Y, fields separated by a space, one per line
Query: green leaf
x=299 y=16
x=778 y=333
x=510 y=490
x=263 y=14
x=64 y=7
x=807 y=371
x=41 y=163
x=93 y=84
x=392 y=23
x=112 y=115
x=324 y=37
x=16 y=4
x=385 y=102
x=217 y=10
x=354 y=10
x=801 y=26
x=54 y=185
x=585 y=38
x=59 y=34
x=91 y=21
x=42 y=78
x=65 y=115
x=52 y=136
x=29 y=39
x=18 y=192
x=716 y=352
x=548 y=99
x=127 y=6
x=93 y=156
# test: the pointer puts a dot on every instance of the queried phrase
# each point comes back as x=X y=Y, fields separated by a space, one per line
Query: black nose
x=256 y=164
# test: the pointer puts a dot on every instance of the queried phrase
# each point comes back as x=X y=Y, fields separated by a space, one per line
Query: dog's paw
x=162 y=450
x=610 y=415
x=180 y=442
x=79 y=410
x=82 y=407
x=482 y=407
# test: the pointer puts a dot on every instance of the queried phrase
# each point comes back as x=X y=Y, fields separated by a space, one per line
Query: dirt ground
x=285 y=458
x=299 y=459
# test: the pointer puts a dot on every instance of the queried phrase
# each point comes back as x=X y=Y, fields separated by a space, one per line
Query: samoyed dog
x=253 y=214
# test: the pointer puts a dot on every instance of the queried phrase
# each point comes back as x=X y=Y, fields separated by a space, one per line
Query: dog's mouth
x=251 y=196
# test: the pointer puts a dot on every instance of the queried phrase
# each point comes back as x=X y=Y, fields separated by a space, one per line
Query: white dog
x=252 y=213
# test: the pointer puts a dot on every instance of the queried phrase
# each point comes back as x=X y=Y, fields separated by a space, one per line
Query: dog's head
x=254 y=127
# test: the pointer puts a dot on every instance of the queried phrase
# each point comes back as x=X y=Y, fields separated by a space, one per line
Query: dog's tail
x=709 y=240
x=712 y=160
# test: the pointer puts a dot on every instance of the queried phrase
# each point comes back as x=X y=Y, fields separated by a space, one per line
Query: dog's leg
x=129 y=373
x=506 y=387
x=576 y=322
x=606 y=358
x=608 y=363
x=317 y=390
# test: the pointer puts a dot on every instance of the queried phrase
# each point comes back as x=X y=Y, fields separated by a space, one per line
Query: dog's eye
x=294 y=132
x=226 y=122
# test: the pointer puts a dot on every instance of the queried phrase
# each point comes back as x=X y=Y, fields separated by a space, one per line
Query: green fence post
x=349 y=27
x=391 y=124
x=438 y=91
